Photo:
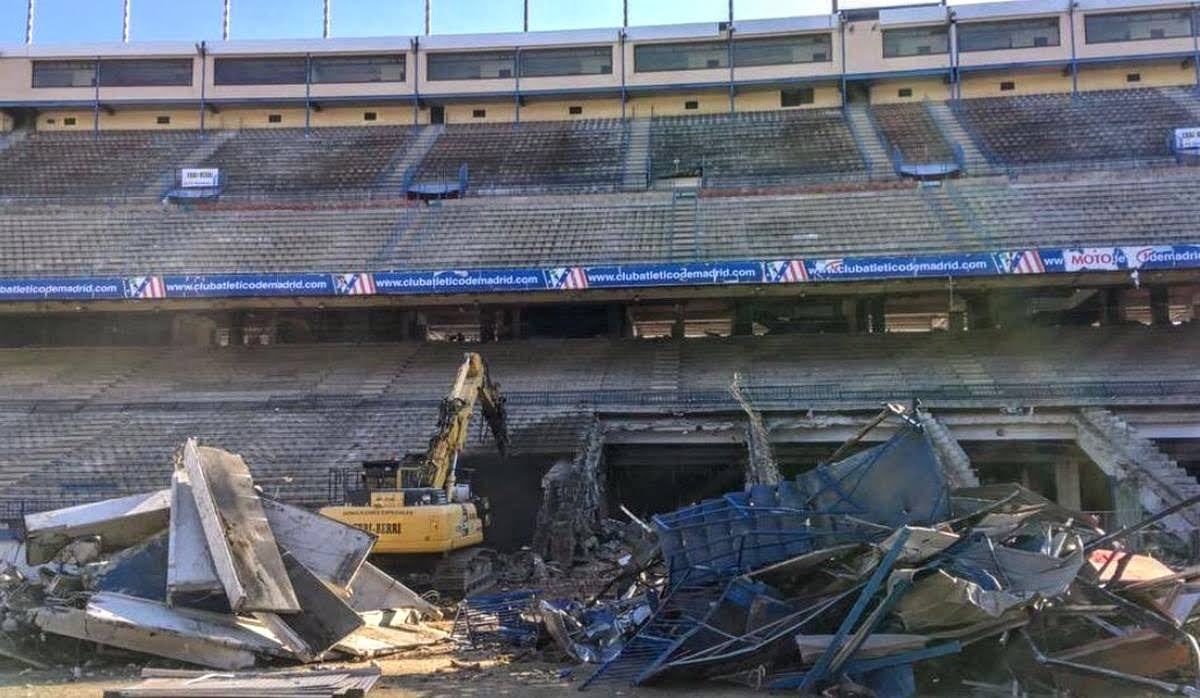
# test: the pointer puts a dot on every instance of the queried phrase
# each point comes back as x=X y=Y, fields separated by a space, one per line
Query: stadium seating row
x=74 y=433
x=984 y=215
x=780 y=148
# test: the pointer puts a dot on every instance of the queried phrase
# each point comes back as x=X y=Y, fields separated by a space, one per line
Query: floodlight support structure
x=29 y=8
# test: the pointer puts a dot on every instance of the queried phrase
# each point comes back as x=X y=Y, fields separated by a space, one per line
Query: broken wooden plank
x=119 y=523
x=196 y=637
x=329 y=549
x=374 y=590
x=344 y=682
x=239 y=537
x=877 y=645
x=191 y=576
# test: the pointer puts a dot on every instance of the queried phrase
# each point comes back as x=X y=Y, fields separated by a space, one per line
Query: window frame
x=581 y=52
x=1087 y=28
x=808 y=90
x=999 y=23
x=945 y=29
x=761 y=40
x=225 y=63
x=497 y=56
x=80 y=64
x=684 y=46
x=369 y=59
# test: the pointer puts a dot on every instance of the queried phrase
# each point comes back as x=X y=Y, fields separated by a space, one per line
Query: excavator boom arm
x=471 y=384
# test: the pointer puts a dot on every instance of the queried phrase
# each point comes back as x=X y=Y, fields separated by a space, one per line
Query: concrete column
x=878 y=305
x=860 y=321
x=743 y=319
x=958 y=320
x=516 y=319
x=845 y=311
x=679 y=327
x=1112 y=306
x=1066 y=483
x=487 y=324
x=617 y=319
x=979 y=313
x=1160 y=312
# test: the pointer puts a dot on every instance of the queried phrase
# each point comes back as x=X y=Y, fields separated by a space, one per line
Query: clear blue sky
x=100 y=20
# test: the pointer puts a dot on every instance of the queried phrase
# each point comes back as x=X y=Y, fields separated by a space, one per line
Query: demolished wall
x=572 y=500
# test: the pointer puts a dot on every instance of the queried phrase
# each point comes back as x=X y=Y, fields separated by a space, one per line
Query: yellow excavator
x=423 y=517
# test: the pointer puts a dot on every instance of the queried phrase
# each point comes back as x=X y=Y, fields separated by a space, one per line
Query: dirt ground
x=439 y=671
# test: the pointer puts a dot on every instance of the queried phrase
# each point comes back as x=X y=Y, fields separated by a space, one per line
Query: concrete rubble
x=882 y=571
x=878 y=573
x=210 y=573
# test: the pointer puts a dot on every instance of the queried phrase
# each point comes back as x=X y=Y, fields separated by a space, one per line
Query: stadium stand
x=86 y=165
x=531 y=156
x=1105 y=126
x=290 y=162
x=985 y=215
x=115 y=240
x=756 y=148
x=910 y=128
x=73 y=434
x=743 y=150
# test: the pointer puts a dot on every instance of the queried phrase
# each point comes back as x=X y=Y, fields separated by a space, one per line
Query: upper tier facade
x=885 y=55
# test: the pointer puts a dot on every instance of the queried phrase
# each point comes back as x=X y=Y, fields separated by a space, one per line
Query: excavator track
x=465 y=572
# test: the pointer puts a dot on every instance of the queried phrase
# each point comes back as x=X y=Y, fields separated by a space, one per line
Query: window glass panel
x=478 y=65
x=781 y=50
x=259 y=71
x=1022 y=33
x=64 y=73
x=1136 y=26
x=174 y=72
x=650 y=58
x=536 y=63
x=915 y=41
x=344 y=69
x=796 y=97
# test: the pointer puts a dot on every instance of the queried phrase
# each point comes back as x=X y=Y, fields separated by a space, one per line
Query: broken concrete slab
x=329 y=549
x=8 y=651
x=243 y=549
x=119 y=523
x=325 y=620
x=191 y=575
x=140 y=571
x=373 y=641
x=195 y=637
x=374 y=590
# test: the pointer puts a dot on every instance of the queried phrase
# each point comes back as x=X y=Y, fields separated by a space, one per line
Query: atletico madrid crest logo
x=355 y=284
x=790 y=271
x=567 y=278
x=145 y=287
x=1020 y=262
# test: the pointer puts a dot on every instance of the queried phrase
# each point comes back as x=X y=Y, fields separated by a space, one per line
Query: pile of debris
x=871 y=574
x=210 y=573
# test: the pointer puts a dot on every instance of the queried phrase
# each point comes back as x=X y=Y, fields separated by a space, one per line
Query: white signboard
x=1187 y=138
x=199 y=177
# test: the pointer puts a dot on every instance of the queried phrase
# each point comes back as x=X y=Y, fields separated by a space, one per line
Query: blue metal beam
x=821 y=669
